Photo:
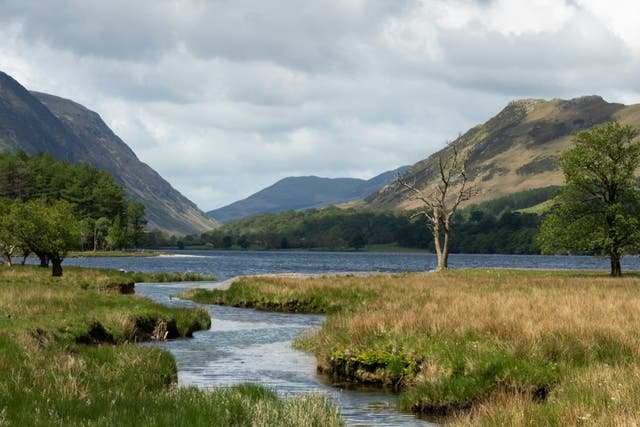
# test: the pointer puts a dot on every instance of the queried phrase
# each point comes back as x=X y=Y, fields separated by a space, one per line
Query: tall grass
x=67 y=358
x=483 y=347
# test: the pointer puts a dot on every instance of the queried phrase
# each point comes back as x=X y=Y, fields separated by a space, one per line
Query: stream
x=249 y=346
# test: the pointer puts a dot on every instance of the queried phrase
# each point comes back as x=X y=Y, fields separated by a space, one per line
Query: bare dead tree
x=441 y=199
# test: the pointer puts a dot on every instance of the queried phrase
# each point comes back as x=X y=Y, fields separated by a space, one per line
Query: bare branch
x=439 y=205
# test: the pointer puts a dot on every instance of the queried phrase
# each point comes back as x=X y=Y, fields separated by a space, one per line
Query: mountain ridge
x=515 y=150
x=302 y=192
x=36 y=121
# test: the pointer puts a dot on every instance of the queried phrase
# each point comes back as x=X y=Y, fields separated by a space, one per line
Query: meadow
x=68 y=357
x=474 y=347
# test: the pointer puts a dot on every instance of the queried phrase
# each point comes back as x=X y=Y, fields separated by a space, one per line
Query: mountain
x=303 y=192
x=35 y=122
x=514 y=151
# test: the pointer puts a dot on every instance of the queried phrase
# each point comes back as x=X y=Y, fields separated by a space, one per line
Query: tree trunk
x=25 y=255
x=445 y=246
x=616 y=270
x=56 y=267
x=435 y=229
x=442 y=251
x=44 y=260
x=7 y=252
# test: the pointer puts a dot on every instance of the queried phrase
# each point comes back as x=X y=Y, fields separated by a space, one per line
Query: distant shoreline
x=116 y=254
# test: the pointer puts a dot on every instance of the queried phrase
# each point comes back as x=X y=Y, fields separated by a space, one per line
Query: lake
x=226 y=264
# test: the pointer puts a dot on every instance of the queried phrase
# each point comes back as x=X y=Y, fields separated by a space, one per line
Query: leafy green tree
x=9 y=241
x=14 y=176
x=357 y=242
x=136 y=221
x=100 y=232
x=227 y=241
x=598 y=210
x=117 y=236
x=243 y=242
x=50 y=230
x=284 y=243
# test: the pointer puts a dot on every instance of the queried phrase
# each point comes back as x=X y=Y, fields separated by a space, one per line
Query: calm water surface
x=250 y=346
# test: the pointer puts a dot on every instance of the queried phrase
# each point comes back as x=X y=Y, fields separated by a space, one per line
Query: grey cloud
x=245 y=92
x=319 y=36
x=309 y=35
x=111 y=29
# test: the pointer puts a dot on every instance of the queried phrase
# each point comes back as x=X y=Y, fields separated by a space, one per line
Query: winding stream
x=245 y=345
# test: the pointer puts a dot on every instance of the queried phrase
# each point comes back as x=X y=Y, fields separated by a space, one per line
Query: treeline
x=47 y=203
x=329 y=228
x=492 y=227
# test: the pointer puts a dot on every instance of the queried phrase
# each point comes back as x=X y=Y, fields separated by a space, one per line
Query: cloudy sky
x=224 y=97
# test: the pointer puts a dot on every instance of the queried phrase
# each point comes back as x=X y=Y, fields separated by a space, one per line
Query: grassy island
x=68 y=358
x=475 y=347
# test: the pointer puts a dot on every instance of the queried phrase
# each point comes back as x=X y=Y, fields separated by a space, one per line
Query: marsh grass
x=75 y=307
x=101 y=279
x=67 y=358
x=495 y=347
x=282 y=294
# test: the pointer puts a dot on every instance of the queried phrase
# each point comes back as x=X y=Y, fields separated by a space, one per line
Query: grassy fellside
x=482 y=347
x=68 y=358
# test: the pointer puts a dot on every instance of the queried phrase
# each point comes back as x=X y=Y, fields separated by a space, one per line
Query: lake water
x=226 y=264
x=250 y=346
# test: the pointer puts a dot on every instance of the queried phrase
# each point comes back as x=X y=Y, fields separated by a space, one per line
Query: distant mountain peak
x=302 y=192
x=528 y=104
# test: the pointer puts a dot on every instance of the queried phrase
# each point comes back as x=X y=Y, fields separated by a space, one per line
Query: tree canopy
x=49 y=229
x=598 y=210
x=49 y=206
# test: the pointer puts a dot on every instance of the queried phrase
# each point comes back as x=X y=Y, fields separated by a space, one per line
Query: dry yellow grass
x=508 y=347
x=505 y=305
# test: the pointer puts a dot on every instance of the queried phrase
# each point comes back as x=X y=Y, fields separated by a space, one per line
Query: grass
x=68 y=358
x=97 y=278
x=277 y=294
x=479 y=347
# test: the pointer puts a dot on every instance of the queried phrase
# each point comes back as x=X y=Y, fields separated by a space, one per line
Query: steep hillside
x=516 y=150
x=34 y=122
x=302 y=192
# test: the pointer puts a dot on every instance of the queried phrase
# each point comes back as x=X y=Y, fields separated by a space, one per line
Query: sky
x=225 y=97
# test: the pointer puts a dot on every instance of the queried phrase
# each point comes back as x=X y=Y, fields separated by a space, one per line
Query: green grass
x=68 y=358
x=97 y=278
x=266 y=293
